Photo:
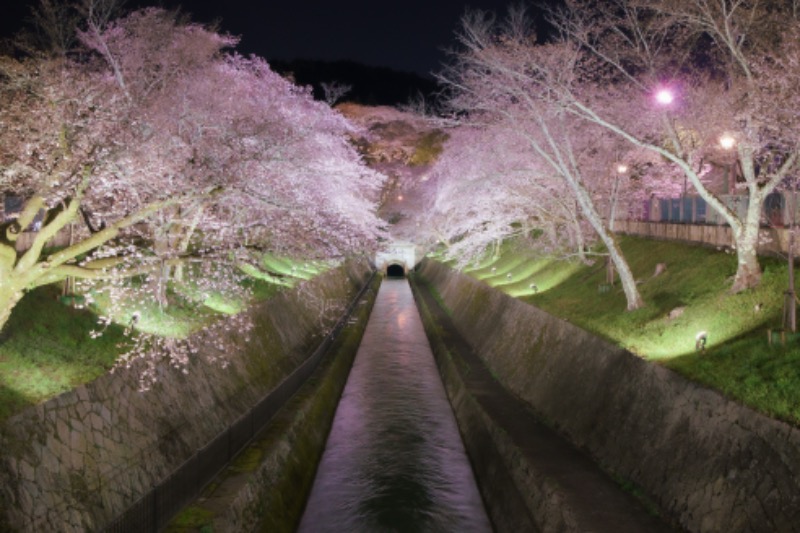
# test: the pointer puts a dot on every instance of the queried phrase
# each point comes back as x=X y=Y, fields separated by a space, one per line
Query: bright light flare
x=622 y=169
x=727 y=141
x=665 y=96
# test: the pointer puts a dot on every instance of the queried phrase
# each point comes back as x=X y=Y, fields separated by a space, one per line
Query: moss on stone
x=192 y=518
x=281 y=462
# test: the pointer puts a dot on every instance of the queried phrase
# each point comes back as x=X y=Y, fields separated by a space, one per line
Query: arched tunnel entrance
x=395 y=271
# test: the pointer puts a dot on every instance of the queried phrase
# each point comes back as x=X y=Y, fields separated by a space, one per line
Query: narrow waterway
x=394 y=460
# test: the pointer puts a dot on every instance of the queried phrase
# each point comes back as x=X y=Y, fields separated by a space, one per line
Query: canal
x=394 y=459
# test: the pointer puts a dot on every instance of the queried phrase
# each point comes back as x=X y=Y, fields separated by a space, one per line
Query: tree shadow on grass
x=11 y=402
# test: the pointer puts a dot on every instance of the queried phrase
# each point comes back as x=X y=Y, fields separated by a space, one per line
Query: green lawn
x=691 y=296
x=47 y=348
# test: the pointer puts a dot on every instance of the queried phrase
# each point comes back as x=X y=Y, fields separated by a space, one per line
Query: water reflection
x=394 y=460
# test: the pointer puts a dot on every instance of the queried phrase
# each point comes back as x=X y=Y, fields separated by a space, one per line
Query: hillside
x=373 y=86
x=403 y=146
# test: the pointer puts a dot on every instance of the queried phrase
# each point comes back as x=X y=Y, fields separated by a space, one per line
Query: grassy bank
x=47 y=348
x=690 y=296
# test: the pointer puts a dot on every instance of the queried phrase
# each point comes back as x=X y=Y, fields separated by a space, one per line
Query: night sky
x=406 y=36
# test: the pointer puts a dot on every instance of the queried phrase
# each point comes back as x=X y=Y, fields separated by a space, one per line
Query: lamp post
x=727 y=142
x=664 y=96
x=620 y=170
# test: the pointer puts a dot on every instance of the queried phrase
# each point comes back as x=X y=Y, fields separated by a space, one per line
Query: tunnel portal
x=395 y=271
x=396 y=259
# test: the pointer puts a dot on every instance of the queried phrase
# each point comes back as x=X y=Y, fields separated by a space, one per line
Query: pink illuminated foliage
x=161 y=149
x=500 y=78
x=487 y=187
x=729 y=67
x=653 y=84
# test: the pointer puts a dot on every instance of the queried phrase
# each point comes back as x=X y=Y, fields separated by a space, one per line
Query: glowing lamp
x=727 y=141
x=664 y=96
x=700 y=340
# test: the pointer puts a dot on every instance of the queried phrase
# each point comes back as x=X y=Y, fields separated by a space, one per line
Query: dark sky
x=408 y=35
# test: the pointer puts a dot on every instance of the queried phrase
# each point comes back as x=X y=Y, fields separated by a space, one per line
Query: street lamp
x=621 y=169
x=727 y=141
x=665 y=96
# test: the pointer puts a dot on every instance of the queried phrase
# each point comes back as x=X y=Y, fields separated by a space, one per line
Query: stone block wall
x=711 y=464
x=79 y=460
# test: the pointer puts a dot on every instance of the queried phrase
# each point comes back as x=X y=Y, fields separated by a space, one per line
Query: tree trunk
x=632 y=296
x=580 y=243
x=10 y=295
x=745 y=232
x=186 y=239
x=629 y=287
x=748 y=269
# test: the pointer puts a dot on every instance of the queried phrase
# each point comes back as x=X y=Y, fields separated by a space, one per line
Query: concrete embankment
x=709 y=464
x=265 y=488
x=79 y=460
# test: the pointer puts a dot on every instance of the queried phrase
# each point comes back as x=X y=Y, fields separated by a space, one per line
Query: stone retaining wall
x=709 y=463
x=77 y=461
x=273 y=496
x=507 y=508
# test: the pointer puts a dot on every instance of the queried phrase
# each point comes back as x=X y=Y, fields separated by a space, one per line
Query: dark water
x=394 y=460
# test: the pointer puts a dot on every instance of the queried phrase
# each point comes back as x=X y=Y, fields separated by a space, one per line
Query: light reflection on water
x=394 y=460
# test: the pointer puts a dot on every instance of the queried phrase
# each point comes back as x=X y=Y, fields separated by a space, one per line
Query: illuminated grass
x=528 y=276
x=694 y=289
x=286 y=267
x=484 y=263
x=46 y=347
x=46 y=350
x=178 y=320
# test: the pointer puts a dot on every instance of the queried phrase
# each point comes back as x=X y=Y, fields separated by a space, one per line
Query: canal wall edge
x=275 y=490
x=505 y=505
x=77 y=461
x=709 y=463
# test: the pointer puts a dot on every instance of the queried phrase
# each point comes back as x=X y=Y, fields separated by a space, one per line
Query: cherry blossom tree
x=500 y=76
x=486 y=187
x=719 y=68
x=169 y=149
x=334 y=91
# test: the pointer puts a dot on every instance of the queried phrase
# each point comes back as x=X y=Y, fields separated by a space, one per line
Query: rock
x=675 y=313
